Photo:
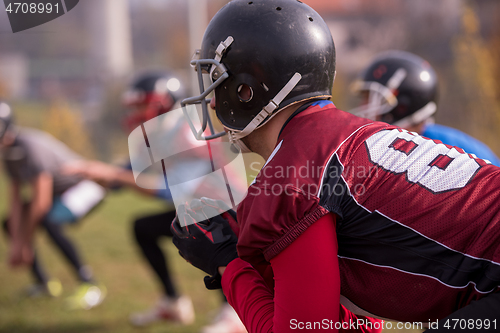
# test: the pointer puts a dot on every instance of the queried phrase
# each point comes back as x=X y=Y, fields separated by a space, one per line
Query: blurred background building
x=67 y=76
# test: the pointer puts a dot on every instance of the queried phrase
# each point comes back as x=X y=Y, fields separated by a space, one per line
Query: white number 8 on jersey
x=435 y=166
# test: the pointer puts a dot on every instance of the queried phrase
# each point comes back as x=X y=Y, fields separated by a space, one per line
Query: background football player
x=34 y=159
x=401 y=88
x=149 y=96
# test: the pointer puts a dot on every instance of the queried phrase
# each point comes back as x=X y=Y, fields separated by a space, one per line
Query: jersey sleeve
x=270 y=222
x=306 y=292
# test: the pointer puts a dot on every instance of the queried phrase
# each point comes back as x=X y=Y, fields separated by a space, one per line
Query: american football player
x=347 y=213
x=401 y=88
x=34 y=159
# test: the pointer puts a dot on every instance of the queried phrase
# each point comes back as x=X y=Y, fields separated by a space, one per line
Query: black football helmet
x=280 y=50
x=150 y=95
x=5 y=118
x=400 y=87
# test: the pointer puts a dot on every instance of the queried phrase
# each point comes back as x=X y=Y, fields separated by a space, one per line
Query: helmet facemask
x=218 y=73
x=381 y=98
x=401 y=89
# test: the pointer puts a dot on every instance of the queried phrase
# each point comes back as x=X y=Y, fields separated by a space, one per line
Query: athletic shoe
x=227 y=321
x=178 y=310
x=86 y=297
x=52 y=288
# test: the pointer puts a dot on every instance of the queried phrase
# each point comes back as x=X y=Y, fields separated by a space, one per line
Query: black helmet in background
x=149 y=96
x=399 y=88
x=5 y=118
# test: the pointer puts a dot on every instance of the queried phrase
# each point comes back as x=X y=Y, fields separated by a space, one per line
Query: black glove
x=206 y=242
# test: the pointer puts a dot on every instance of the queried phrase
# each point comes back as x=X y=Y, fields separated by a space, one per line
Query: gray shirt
x=34 y=152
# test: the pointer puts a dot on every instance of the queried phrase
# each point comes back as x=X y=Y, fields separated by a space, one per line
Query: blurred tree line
x=477 y=65
x=460 y=39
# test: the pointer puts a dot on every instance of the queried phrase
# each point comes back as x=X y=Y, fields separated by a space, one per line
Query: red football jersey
x=418 y=224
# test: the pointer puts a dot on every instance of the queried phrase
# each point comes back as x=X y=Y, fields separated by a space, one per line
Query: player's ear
x=245 y=93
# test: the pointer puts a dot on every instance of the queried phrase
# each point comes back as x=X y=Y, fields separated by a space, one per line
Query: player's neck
x=263 y=140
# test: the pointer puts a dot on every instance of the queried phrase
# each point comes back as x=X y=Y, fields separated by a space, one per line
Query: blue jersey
x=454 y=137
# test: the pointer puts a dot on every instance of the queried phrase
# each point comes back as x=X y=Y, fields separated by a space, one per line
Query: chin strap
x=264 y=115
x=241 y=145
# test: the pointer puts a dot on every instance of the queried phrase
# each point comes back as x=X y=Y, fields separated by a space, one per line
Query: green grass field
x=105 y=241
